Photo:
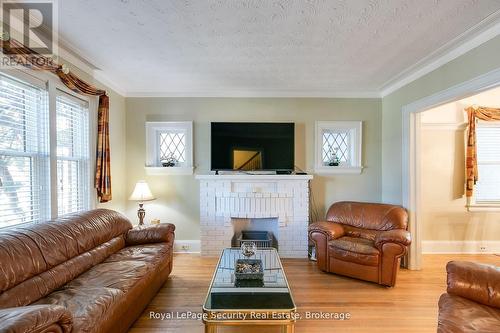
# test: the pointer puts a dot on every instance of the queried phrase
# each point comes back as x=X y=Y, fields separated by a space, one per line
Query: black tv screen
x=252 y=146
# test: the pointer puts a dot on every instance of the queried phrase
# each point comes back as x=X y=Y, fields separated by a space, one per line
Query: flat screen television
x=252 y=146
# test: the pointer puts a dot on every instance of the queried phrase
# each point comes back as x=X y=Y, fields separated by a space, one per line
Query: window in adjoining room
x=487 y=189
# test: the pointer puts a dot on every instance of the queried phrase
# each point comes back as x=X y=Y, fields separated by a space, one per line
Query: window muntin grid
x=172 y=144
x=336 y=141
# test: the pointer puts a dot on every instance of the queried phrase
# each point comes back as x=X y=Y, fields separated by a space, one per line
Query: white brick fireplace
x=225 y=198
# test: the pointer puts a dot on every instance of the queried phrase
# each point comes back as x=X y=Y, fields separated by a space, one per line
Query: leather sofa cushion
x=458 y=314
x=30 y=249
x=41 y=285
x=101 y=294
x=353 y=249
x=147 y=252
x=124 y=268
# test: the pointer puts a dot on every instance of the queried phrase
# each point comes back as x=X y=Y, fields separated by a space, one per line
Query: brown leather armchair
x=362 y=240
x=472 y=301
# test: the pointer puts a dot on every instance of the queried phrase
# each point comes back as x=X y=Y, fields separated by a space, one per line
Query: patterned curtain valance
x=30 y=59
x=474 y=113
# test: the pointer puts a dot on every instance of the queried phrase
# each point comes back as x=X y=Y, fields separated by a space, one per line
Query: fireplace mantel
x=254 y=177
x=284 y=198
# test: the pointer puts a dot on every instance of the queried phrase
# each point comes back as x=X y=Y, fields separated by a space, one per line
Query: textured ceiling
x=321 y=46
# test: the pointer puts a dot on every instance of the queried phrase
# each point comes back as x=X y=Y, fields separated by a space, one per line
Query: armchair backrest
x=372 y=216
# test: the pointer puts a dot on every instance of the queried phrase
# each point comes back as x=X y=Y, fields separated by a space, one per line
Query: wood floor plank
x=411 y=306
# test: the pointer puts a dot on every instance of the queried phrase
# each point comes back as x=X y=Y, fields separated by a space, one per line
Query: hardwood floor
x=411 y=306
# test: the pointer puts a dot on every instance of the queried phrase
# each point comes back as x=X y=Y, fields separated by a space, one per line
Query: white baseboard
x=466 y=247
x=187 y=246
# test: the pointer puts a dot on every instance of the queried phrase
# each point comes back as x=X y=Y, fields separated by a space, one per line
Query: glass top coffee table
x=249 y=302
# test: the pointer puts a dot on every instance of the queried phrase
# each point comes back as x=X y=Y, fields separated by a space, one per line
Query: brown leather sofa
x=362 y=240
x=472 y=301
x=86 y=272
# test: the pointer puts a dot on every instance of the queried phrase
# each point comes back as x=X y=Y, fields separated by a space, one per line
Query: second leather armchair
x=362 y=240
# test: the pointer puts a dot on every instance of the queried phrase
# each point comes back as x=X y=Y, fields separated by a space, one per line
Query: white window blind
x=487 y=189
x=24 y=158
x=73 y=160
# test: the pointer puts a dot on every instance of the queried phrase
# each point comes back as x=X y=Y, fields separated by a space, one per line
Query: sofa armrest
x=330 y=230
x=477 y=282
x=398 y=236
x=36 y=319
x=158 y=233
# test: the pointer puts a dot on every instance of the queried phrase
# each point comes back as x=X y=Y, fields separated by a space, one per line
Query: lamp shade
x=141 y=192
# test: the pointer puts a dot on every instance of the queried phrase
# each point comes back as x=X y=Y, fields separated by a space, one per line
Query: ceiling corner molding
x=482 y=32
x=100 y=76
x=256 y=94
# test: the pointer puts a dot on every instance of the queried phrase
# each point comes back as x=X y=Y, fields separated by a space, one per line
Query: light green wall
x=478 y=61
x=178 y=196
x=380 y=181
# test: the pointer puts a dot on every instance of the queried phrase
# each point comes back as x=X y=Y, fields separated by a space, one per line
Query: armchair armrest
x=330 y=230
x=398 y=236
x=158 y=233
x=321 y=233
x=36 y=319
x=477 y=282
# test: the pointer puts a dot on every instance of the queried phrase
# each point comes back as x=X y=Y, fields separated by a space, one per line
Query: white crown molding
x=75 y=56
x=482 y=32
x=100 y=76
x=254 y=94
x=83 y=65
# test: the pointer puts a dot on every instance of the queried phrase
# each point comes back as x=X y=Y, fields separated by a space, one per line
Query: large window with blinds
x=72 y=154
x=24 y=153
x=487 y=190
x=37 y=182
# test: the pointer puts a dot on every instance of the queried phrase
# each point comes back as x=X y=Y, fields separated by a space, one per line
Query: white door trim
x=410 y=150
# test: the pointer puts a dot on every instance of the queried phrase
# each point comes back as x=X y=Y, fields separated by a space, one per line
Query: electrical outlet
x=185 y=247
x=483 y=248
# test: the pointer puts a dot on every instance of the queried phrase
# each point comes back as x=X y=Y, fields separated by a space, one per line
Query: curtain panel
x=473 y=114
x=30 y=59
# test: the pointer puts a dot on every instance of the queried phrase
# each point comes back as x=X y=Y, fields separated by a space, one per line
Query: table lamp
x=141 y=193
